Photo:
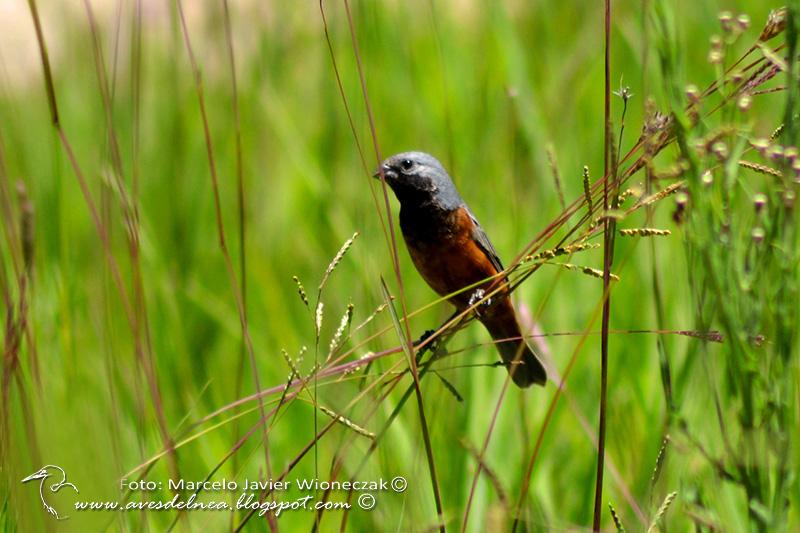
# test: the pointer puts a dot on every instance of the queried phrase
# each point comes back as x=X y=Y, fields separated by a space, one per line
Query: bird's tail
x=522 y=363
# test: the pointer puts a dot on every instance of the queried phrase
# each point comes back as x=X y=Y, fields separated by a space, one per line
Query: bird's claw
x=425 y=336
x=477 y=297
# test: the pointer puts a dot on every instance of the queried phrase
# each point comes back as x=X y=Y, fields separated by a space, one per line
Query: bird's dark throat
x=425 y=222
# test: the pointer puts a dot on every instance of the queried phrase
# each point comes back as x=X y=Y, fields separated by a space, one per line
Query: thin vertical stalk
x=240 y=207
x=608 y=250
x=237 y=292
x=100 y=227
x=396 y=262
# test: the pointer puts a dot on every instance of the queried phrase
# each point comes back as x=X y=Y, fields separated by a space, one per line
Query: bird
x=44 y=473
x=451 y=251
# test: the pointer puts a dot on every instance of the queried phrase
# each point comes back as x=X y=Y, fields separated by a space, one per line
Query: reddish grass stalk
x=141 y=333
x=10 y=230
x=334 y=370
x=237 y=292
x=547 y=420
x=110 y=366
x=560 y=392
x=272 y=414
x=240 y=205
x=350 y=120
x=136 y=97
x=612 y=468
x=101 y=229
x=599 y=185
x=597 y=189
x=141 y=327
x=396 y=262
x=325 y=429
x=482 y=453
x=232 y=453
x=19 y=237
x=343 y=368
x=338 y=462
x=609 y=227
x=136 y=93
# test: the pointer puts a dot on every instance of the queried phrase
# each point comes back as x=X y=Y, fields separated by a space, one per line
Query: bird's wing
x=484 y=243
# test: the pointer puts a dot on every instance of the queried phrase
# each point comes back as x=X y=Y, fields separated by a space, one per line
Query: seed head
x=775 y=152
x=720 y=149
x=761 y=145
x=743 y=21
x=726 y=21
x=759 y=201
x=692 y=93
x=776 y=23
x=744 y=103
x=788 y=198
x=757 y=234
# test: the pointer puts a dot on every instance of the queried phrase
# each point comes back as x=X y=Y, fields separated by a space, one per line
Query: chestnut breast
x=446 y=254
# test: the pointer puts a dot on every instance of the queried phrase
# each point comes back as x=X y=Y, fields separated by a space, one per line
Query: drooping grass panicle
x=378 y=310
x=318 y=315
x=348 y=423
x=587 y=189
x=644 y=232
x=761 y=169
x=589 y=271
x=777 y=132
x=628 y=193
x=337 y=259
x=616 y=519
x=658 y=196
x=657 y=468
x=344 y=323
x=294 y=364
x=301 y=291
x=775 y=25
x=569 y=249
x=662 y=510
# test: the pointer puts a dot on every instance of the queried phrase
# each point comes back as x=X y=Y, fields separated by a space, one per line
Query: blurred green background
x=488 y=88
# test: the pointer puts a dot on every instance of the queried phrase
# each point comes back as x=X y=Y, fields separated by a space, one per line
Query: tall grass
x=167 y=169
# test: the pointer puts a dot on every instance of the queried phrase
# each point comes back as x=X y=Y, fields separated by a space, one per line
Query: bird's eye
x=406 y=164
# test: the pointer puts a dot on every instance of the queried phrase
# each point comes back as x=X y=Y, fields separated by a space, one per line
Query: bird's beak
x=36 y=475
x=388 y=172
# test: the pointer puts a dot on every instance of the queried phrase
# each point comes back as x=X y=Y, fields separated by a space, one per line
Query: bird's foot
x=428 y=347
x=477 y=297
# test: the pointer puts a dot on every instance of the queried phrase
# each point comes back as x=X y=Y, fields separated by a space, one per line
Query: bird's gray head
x=417 y=178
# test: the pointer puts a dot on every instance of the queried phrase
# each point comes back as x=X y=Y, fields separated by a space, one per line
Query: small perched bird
x=451 y=251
